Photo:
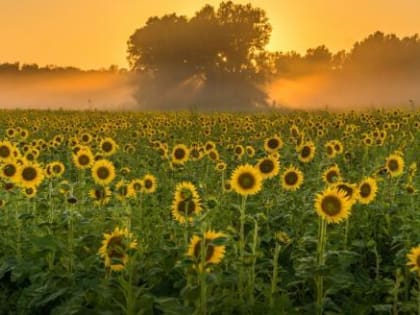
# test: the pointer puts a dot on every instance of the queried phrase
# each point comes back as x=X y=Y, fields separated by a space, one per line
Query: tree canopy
x=220 y=50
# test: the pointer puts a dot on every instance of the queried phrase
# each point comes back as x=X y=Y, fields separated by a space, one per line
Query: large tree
x=214 y=60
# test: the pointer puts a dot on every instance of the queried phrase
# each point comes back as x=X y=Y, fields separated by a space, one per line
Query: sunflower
x=83 y=158
x=149 y=184
x=124 y=190
x=246 y=180
x=56 y=168
x=306 y=152
x=183 y=210
x=268 y=167
x=220 y=166
x=64 y=187
x=410 y=189
x=332 y=205
x=350 y=190
x=414 y=259
x=137 y=185
x=214 y=253
x=273 y=144
x=100 y=195
x=115 y=248
x=329 y=147
x=29 y=192
x=227 y=186
x=331 y=175
x=180 y=154
x=30 y=175
x=250 y=151
x=6 y=150
x=213 y=155
x=103 y=172
x=394 y=165
x=9 y=170
x=108 y=146
x=186 y=190
x=292 y=178
x=366 y=191
x=239 y=151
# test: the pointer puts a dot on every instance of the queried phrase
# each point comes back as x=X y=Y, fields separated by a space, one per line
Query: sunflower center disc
x=4 y=151
x=186 y=206
x=331 y=206
x=84 y=160
x=106 y=147
x=246 y=180
x=267 y=166
x=179 y=154
x=103 y=172
x=29 y=173
x=365 y=190
x=272 y=143
x=291 y=178
x=306 y=151
x=393 y=165
x=9 y=170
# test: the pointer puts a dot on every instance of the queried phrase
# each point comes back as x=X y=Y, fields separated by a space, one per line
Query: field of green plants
x=193 y=213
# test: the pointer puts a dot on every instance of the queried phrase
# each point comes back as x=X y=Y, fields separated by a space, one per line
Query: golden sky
x=93 y=33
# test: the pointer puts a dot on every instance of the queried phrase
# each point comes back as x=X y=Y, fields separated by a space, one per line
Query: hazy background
x=310 y=55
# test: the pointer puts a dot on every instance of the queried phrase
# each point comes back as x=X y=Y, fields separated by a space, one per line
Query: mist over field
x=102 y=91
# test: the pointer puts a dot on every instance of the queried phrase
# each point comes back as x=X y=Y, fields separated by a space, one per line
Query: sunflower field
x=209 y=213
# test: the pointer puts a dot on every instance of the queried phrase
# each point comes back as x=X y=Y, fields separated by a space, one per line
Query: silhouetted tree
x=216 y=58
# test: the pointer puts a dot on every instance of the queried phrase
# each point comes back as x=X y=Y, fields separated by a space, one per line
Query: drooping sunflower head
x=116 y=247
x=123 y=190
x=183 y=210
x=333 y=205
x=414 y=259
x=394 y=165
x=213 y=252
x=246 y=180
x=292 y=178
x=350 y=190
x=103 y=172
x=268 y=167
x=366 y=191
x=29 y=192
x=100 y=195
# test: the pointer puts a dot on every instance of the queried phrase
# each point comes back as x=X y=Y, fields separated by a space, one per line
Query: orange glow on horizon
x=93 y=34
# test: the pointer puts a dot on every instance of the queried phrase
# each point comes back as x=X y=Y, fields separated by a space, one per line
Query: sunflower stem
x=202 y=271
x=275 y=273
x=320 y=262
x=346 y=234
x=242 y=247
x=254 y=260
x=418 y=295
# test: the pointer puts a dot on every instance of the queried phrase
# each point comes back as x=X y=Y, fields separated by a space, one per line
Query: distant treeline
x=33 y=68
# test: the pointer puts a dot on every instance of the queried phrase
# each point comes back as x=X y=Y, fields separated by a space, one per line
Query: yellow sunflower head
x=306 y=152
x=414 y=259
x=212 y=251
x=30 y=175
x=366 y=190
x=246 y=180
x=331 y=175
x=180 y=154
x=103 y=172
x=108 y=146
x=292 y=178
x=273 y=144
x=100 y=195
x=116 y=248
x=332 y=205
x=394 y=165
x=149 y=184
x=83 y=158
x=268 y=167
